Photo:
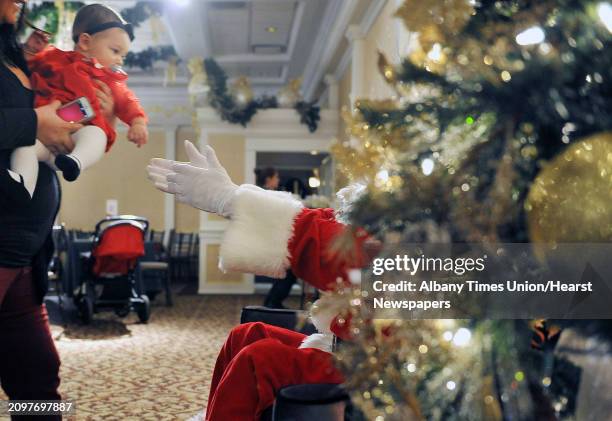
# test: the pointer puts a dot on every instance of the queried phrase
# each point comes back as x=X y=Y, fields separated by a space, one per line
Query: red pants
x=255 y=362
x=29 y=363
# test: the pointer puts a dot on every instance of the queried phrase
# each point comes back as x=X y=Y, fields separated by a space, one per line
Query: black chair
x=56 y=271
x=306 y=402
x=80 y=235
x=286 y=318
x=156 y=237
x=78 y=252
x=153 y=264
x=194 y=257
x=179 y=248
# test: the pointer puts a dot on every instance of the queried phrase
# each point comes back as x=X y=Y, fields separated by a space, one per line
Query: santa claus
x=269 y=232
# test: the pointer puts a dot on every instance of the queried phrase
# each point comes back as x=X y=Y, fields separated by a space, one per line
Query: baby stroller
x=113 y=282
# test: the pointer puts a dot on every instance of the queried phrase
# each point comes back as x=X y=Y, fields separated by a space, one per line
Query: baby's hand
x=138 y=133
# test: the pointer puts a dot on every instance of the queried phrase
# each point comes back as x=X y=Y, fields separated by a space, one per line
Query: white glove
x=202 y=183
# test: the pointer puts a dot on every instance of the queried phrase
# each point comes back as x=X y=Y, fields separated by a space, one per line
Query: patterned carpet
x=118 y=369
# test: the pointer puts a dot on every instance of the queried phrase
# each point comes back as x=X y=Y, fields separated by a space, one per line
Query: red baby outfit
x=68 y=75
x=258 y=359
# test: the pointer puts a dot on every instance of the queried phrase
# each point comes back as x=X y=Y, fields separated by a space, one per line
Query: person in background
x=268 y=178
x=29 y=363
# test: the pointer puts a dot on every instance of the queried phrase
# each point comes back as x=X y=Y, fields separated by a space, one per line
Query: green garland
x=230 y=111
x=48 y=10
x=146 y=58
x=141 y=12
x=135 y=15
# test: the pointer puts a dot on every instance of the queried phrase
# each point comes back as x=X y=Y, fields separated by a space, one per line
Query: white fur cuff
x=258 y=235
x=321 y=341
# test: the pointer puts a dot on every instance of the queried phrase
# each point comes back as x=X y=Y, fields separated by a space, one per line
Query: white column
x=356 y=37
x=201 y=142
x=170 y=153
x=333 y=101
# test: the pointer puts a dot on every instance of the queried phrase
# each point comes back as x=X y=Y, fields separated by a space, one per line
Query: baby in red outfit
x=102 y=39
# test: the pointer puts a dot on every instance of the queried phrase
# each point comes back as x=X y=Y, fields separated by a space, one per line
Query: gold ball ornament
x=241 y=91
x=198 y=83
x=571 y=198
x=289 y=95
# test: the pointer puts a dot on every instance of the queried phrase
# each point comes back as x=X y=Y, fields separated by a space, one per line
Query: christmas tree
x=499 y=132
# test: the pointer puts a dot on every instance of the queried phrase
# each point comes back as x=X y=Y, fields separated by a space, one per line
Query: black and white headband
x=127 y=27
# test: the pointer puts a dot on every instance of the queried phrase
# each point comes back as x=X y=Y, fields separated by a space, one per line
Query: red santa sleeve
x=271 y=232
x=127 y=105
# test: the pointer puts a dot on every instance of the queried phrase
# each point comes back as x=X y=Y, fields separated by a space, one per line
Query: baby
x=102 y=39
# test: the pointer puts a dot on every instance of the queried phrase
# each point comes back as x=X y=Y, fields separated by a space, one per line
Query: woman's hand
x=36 y=42
x=54 y=132
x=202 y=183
x=107 y=102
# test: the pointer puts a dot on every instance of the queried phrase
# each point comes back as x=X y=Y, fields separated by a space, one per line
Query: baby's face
x=109 y=47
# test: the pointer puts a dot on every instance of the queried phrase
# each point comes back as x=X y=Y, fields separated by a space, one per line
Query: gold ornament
x=198 y=84
x=435 y=20
x=289 y=95
x=65 y=17
x=171 y=69
x=195 y=124
x=241 y=90
x=386 y=69
x=571 y=198
x=157 y=27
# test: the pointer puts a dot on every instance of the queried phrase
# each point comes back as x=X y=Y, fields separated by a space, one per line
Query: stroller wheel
x=86 y=310
x=144 y=309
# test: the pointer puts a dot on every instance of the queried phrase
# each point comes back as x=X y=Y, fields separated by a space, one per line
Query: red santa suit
x=68 y=75
x=270 y=232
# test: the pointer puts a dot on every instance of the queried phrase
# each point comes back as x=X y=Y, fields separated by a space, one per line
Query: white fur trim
x=325 y=310
x=257 y=238
x=320 y=341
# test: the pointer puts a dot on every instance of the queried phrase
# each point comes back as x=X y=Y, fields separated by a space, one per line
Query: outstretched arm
x=269 y=232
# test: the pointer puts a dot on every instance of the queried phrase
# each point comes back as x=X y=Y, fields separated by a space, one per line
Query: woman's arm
x=21 y=126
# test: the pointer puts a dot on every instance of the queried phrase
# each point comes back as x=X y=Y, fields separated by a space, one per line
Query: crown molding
x=277 y=122
x=337 y=18
x=341 y=27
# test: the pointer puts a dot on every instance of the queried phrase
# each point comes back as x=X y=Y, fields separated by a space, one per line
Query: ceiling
x=269 y=41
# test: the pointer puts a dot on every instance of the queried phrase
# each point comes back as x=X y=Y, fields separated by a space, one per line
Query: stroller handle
x=132 y=218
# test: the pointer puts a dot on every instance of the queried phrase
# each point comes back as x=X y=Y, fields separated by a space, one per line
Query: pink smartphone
x=77 y=111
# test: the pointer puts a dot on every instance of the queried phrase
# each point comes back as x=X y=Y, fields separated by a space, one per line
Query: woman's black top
x=25 y=230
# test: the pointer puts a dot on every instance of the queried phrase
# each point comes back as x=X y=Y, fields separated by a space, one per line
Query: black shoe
x=69 y=166
x=14 y=190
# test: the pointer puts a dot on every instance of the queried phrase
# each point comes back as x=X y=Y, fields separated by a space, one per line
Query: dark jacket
x=25 y=230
